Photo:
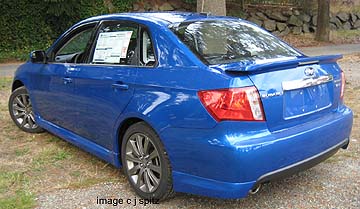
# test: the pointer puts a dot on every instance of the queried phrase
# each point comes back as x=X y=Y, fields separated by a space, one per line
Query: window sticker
x=112 y=46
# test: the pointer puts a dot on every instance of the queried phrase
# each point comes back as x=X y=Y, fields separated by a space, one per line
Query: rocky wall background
x=280 y=21
x=297 y=22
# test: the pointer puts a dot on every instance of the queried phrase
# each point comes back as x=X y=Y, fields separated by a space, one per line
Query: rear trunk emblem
x=309 y=71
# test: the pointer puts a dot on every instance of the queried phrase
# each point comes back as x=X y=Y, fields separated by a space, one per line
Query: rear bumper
x=233 y=158
x=302 y=165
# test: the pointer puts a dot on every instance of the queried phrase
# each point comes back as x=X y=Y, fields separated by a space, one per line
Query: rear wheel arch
x=122 y=130
x=16 y=84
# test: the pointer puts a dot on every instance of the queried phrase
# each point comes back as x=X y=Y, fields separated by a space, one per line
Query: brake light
x=233 y=104
x=342 y=85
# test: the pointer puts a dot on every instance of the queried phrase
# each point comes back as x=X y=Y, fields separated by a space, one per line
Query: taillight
x=233 y=104
x=342 y=85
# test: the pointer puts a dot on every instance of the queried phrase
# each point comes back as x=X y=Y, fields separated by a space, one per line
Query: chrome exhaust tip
x=256 y=189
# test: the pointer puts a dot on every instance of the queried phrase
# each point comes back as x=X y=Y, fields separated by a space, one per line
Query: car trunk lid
x=295 y=90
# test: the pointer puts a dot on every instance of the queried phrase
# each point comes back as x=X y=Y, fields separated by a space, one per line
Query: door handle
x=120 y=86
x=67 y=80
x=72 y=69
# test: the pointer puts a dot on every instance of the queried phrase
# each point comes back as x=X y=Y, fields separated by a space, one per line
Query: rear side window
x=147 y=55
x=227 y=41
x=117 y=43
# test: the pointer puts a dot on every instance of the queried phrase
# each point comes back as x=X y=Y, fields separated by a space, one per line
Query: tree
x=323 y=21
x=109 y=5
x=242 y=3
x=215 y=7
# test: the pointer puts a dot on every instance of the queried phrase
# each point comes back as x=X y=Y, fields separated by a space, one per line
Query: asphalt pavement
x=332 y=49
x=9 y=69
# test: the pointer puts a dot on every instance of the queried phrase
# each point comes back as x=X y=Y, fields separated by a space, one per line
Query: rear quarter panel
x=166 y=95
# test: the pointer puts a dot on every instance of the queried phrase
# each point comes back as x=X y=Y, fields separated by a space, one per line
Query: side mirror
x=38 y=56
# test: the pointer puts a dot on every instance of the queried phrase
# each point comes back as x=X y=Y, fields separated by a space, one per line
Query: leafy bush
x=29 y=25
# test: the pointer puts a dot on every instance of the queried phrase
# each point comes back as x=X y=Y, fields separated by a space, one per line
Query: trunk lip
x=250 y=66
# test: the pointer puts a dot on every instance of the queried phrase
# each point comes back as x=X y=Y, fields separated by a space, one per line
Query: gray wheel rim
x=22 y=111
x=143 y=163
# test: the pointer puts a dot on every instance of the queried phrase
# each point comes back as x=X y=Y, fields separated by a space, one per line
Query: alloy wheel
x=22 y=111
x=143 y=163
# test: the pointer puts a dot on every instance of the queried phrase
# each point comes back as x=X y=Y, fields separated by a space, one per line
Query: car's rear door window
x=147 y=54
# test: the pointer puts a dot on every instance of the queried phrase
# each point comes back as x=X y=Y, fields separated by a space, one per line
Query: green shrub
x=30 y=25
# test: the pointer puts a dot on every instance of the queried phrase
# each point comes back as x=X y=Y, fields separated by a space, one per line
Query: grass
x=51 y=156
x=21 y=152
x=33 y=164
x=21 y=200
x=20 y=197
x=5 y=83
x=13 y=179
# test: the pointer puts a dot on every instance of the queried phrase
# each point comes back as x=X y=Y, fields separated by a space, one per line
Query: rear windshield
x=227 y=41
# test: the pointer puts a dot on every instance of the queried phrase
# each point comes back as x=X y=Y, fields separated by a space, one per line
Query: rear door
x=298 y=94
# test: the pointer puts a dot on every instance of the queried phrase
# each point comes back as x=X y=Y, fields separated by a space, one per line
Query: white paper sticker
x=112 y=46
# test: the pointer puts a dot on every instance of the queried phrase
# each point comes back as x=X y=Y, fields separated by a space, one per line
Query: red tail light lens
x=233 y=104
x=342 y=86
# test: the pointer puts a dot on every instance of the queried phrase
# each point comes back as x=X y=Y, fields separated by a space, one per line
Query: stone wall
x=280 y=21
x=297 y=22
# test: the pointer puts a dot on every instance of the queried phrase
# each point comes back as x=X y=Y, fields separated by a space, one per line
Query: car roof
x=160 y=18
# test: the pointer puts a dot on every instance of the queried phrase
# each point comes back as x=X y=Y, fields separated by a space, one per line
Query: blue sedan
x=185 y=102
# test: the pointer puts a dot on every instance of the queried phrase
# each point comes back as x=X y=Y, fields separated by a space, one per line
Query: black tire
x=145 y=166
x=21 y=113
